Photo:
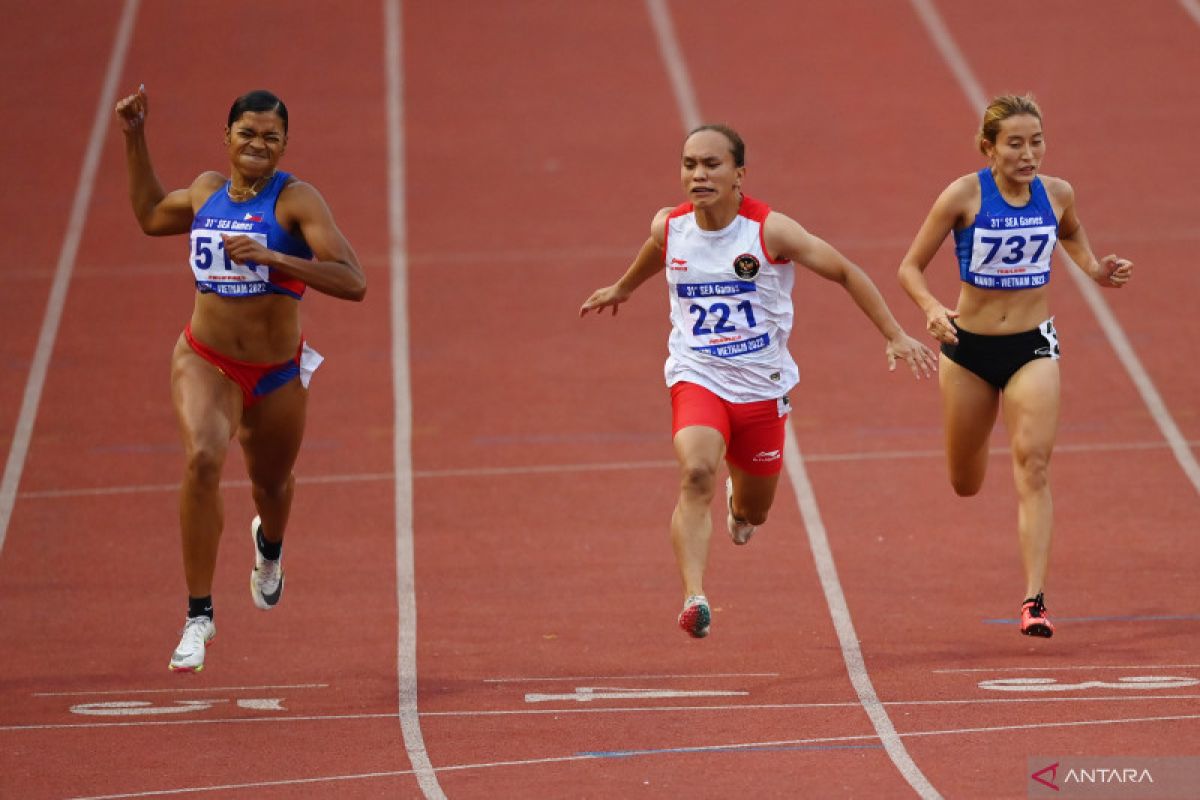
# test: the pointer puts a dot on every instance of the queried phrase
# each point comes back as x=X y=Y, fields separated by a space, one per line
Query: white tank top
x=731 y=307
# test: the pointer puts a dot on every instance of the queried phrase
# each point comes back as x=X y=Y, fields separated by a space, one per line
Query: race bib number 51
x=215 y=271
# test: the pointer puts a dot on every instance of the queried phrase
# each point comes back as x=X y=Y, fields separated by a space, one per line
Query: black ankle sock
x=269 y=550
x=200 y=606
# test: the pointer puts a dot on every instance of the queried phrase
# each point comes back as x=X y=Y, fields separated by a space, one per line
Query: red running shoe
x=1033 y=618
x=695 y=617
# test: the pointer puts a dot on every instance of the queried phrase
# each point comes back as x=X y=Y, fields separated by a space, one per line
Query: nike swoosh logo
x=273 y=598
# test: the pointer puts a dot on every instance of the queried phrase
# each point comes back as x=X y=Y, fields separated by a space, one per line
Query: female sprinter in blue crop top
x=999 y=346
x=240 y=367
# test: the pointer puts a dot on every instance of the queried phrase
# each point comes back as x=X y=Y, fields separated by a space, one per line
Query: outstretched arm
x=1111 y=271
x=649 y=261
x=333 y=270
x=947 y=211
x=785 y=238
x=159 y=213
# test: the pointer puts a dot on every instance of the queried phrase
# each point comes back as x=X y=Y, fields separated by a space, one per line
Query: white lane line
x=676 y=65
x=576 y=709
x=36 y=380
x=685 y=100
x=1141 y=379
x=148 y=488
x=951 y=54
x=637 y=677
x=839 y=611
x=1001 y=700
x=548 y=258
x=551 y=257
x=1072 y=667
x=957 y=62
x=596 y=756
x=591 y=694
x=406 y=598
x=182 y=690
x=595 y=466
x=1192 y=7
x=382 y=715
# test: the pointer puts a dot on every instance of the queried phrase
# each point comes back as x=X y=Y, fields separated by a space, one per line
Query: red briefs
x=255 y=380
x=753 y=432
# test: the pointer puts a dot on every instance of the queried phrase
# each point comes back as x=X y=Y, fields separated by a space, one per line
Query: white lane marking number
x=1142 y=683
x=136 y=708
x=586 y=694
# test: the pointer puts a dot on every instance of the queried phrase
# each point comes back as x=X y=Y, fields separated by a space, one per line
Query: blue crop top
x=1006 y=246
x=221 y=214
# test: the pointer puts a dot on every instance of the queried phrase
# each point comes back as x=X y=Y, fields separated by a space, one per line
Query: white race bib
x=1012 y=258
x=215 y=271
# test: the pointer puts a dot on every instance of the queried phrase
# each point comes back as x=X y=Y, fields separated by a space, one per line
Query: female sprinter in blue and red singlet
x=241 y=367
x=999 y=344
x=729 y=262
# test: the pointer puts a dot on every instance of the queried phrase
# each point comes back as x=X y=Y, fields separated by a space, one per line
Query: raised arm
x=1111 y=271
x=333 y=270
x=948 y=211
x=649 y=261
x=159 y=213
x=786 y=239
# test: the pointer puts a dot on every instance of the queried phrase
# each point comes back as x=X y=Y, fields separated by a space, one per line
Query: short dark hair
x=259 y=100
x=736 y=145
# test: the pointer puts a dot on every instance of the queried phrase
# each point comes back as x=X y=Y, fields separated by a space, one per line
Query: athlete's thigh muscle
x=272 y=431
x=207 y=404
x=969 y=405
x=1031 y=407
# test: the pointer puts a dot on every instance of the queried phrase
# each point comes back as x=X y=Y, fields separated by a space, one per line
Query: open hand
x=921 y=360
x=608 y=297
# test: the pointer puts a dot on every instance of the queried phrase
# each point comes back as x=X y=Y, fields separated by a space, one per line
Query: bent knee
x=754 y=516
x=204 y=464
x=697 y=478
x=272 y=489
x=966 y=485
x=1033 y=468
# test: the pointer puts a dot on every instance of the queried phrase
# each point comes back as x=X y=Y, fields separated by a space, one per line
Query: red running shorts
x=753 y=432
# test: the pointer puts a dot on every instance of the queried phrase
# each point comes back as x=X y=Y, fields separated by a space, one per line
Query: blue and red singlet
x=222 y=215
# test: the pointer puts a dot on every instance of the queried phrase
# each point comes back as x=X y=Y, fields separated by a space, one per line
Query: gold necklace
x=241 y=195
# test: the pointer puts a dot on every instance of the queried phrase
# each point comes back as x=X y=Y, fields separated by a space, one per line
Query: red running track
x=538 y=139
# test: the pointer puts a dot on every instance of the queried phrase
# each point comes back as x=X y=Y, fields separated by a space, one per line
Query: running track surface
x=537 y=139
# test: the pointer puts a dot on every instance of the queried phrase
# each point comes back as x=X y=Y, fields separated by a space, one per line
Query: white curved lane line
x=36 y=380
x=406 y=599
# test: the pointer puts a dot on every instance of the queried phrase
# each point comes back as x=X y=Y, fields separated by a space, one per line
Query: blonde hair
x=1000 y=109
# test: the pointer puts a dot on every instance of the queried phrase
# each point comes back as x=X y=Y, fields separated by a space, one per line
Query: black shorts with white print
x=997 y=358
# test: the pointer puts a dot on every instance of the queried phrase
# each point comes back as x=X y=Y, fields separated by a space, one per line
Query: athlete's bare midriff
x=998 y=311
x=261 y=330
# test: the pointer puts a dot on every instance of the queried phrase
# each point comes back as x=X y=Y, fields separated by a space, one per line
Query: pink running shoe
x=695 y=617
x=1033 y=618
